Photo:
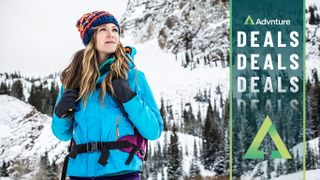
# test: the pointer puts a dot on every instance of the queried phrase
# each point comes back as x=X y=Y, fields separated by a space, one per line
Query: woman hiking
x=105 y=106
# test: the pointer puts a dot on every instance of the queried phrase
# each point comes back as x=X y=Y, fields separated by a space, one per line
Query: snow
x=311 y=175
x=26 y=133
x=138 y=11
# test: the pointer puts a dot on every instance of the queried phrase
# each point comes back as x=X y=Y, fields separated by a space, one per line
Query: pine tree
x=54 y=91
x=20 y=167
x=147 y=166
x=298 y=160
x=310 y=133
x=17 y=90
x=194 y=167
x=315 y=103
x=163 y=114
x=290 y=166
x=175 y=170
x=4 y=88
x=165 y=153
x=269 y=170
x=44 y=166
x=4 y=169
x=312 y=19
x=308 y=157
x=212 y=146
x=35 y=96
x=189 y=120
x=259 y=171
x=53 y=171
x=199 y=123
x=207 y=159
x=157 y=160
x=279 y=170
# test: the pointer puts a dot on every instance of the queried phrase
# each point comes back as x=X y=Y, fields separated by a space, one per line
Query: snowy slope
x=26 y=134
x=311 y=175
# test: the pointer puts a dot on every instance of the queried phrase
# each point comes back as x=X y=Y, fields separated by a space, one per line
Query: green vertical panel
x=267 y=76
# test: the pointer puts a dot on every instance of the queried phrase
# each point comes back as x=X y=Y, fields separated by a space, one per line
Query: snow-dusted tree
x=189 y=120
x=147 y=165
x=175 y=170
x=290 y=166
x=212 y=148
x=20 y=167
x=279 y=170
x=53 y=171
x=4 y=169
x=194 y=167
x=298 y=161
x=4 y=88
x=309 y=157
x=269 y=168
x=163 y=115
x=17 y=90
x=315 y=104
x=44 y=166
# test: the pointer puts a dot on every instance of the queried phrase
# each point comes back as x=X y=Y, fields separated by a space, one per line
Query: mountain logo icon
x=249 y=21
x=267 y=127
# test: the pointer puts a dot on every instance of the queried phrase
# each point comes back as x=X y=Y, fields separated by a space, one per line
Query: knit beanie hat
x=90 y=20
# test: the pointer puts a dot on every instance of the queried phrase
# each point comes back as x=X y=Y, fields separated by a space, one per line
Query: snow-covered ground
x=26 y=134
x=310 y=175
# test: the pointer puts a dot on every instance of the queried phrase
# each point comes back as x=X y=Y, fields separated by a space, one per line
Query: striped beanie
x=93 y=19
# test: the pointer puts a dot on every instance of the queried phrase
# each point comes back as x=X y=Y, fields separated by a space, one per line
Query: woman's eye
x=102 y=29
x=115 y=30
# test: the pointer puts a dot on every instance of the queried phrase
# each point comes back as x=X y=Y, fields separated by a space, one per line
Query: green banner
x=267 y=88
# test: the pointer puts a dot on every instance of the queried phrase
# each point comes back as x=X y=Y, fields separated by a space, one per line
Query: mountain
x=197 y=32
x=25 y=136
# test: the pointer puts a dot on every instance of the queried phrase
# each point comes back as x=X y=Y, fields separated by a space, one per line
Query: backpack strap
x=66 y=159
x=140 y=138
x=103 y=147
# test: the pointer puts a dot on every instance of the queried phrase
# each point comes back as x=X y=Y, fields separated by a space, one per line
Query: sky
x=39 y=37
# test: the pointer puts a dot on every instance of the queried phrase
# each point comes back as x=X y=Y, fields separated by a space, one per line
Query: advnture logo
x=266 y=22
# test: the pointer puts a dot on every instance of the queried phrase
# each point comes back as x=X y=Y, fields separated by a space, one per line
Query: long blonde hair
x=83 y=71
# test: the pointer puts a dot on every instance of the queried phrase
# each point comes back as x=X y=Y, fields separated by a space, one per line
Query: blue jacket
x=95 y=123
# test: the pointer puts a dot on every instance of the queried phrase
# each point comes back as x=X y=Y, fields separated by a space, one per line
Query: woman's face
x=107 y=39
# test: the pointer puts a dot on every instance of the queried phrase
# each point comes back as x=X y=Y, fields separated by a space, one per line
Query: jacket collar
x=105 y=66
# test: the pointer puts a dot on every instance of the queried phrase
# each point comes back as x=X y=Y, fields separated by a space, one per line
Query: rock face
x=197 y=31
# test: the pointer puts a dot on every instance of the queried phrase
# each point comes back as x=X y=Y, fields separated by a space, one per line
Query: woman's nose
x=109 y=33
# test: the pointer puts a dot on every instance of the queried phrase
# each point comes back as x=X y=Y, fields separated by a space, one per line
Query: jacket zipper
x=117 y=127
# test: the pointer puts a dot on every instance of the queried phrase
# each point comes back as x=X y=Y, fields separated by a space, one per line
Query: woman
x=105 y=105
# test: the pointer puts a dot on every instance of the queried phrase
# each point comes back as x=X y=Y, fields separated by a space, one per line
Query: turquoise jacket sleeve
x=143 y=111
x=61 y=127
